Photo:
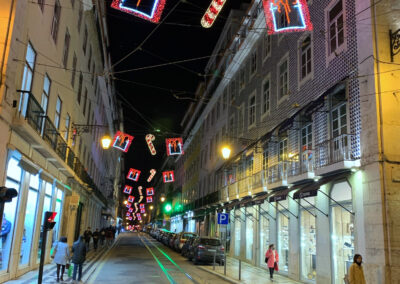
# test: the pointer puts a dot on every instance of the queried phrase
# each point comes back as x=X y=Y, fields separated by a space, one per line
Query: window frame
x=252 y=110
x=265 y=42
x=285 y=97
x=339 y=49
x=253 y=62
x=67 y=42
x=46 y=94
x=310 y=75
x=55 y=22
x=57 y=113
x=268 y=110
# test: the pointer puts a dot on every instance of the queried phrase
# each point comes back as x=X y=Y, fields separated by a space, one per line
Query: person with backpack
x=79 y=257
x=272 y=259
x=356 y=272
x=61 y=256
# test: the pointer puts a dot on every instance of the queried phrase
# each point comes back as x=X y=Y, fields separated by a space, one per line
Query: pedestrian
x=109 y=236
x=96 y=235
x=61 y=256
x=88 y=235
x=356 y=272
x=79 y=250
x=102 y=236
x=272 y=259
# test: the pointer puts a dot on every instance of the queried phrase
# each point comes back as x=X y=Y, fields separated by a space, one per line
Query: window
x=67 y=125
x=283 y=235
x=58 y=209
x=238 y=223
x=45 y=93
x=308 y=239
x=48 y=187
x=240 y=120
x=267 y=43
x=306 y=137
x=233 y=90
x=265 y=159
x=242 y=77
x=56 y=20
x=264 y=232
x=283 y=79
x=252 y=110
x=90 y=58
x=336 y=28
x=27 y=78
x=305 y=58
x=249 y=165
x=85 y=40
x=80 y=17
x=283 y=149
x=339 y=120
x=225 y=97
x=74 y=61
x=266 y=91
x=253 y=65
x=58 y=113
x=41 y=4
x=249 y=232
x=66 y=48
x=80 y=88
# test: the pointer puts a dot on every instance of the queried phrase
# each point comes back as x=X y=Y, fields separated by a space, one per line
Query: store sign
x=131 y=198
x=149 y=199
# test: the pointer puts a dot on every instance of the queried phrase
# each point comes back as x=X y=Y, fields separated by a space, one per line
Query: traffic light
x=48 y=222
x=167 y=208
x=7 y=194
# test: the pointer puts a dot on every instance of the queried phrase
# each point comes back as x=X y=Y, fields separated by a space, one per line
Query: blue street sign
x=223 y=218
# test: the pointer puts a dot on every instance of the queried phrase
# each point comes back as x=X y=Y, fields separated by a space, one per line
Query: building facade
x=313 y=165
x=56 y=104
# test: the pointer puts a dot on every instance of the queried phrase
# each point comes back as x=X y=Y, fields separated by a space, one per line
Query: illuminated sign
x=128 y=189
x=149 y=191
x=212 y=13
x=149 y=139
x=133 y=174
x=168 y=176
x=149 y=199
x=122 y=141
x=174 y=146
x=287 y=16
x=149 y=10
x=152 y=174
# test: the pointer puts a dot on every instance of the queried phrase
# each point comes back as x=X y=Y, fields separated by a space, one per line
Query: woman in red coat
x=273 y=259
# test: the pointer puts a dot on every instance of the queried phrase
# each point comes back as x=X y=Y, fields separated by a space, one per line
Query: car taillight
x=222 y=248
x=183 y=241
x=201 y=247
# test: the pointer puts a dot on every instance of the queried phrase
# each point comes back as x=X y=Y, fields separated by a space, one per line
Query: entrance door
x=78 y=221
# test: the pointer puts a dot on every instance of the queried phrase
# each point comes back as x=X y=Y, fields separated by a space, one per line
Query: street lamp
x=162 y=198
x=226 y=152
x=151 y=207
x=106 y=142
x=126 y=202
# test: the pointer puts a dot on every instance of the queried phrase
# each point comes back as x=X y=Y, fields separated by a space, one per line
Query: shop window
x=30 y=220
x=308 y=240
x=249 y=232
x=46 y=207
x=14 y=177
x=237 y=232
x=264 y=232
x=342 y=228
x=58 y=209
x=283 y=236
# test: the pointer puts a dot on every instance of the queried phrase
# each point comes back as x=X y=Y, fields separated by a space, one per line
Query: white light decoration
x=212 y=13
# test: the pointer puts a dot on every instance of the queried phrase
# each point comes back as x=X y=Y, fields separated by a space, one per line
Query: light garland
x=131 y=199
x=212 y=13
x=149 y=199
x=128 y=189
x=174 y=146
x=133 y=174
x=168 y=176
x=149 y=139
x=122 y=141
x=150 y=191
x=152 y=174
x=153 y=15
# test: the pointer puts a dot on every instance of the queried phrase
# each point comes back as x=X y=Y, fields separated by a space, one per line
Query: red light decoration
x=130 y=210
x=128 y=205
x=131 y=198
x=150 y=191
x=143 y=210
x=287 y=16
x=122 y=141
x=149 y=10
x=212 y=13
x=133 y=174
x=174 y=146
x=130 y=218
x=128 y=214
x=139 y=216
x=168 y=176
x=141 y=205
x=149 y=139
x=152 y=174
x=149 y=199
x=128 y=189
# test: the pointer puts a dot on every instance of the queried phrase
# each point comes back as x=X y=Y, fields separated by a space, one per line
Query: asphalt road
x=137 y=258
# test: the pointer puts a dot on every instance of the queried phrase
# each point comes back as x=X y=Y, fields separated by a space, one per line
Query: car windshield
x=210 y=242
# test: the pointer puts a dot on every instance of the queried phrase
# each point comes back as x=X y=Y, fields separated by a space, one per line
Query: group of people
x=355 y=274
x=62 y=256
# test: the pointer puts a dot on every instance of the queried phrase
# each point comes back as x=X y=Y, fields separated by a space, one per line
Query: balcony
x=335 y=154
x=278 y=175
x=301 y=168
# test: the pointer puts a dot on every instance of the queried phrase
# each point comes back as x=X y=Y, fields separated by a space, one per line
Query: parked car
x=171 y=240
x=204 y=248
x=164 y=238
x=186 y=246
x=181 y=238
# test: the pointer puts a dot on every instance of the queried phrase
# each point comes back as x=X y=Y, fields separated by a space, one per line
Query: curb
x=226 y=278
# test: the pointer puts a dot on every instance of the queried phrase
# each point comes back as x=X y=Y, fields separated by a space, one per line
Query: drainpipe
x=382 y=159
x=6 y=39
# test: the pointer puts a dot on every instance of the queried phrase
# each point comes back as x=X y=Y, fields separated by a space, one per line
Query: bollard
x=240 y=269
x=214 y=260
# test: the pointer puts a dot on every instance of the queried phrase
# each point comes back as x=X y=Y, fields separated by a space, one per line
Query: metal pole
x=42 y=255
x=1 y=213
x=214 y=260
x=240 y=269
x=226 y=233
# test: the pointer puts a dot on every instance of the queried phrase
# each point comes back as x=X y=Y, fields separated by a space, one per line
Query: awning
x=232 y=205
x=280 y=195
x=245 y=201
x=259 y=199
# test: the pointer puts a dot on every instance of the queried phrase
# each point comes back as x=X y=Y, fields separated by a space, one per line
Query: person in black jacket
x=88 y=235
x=96 y=235
x=79 y=257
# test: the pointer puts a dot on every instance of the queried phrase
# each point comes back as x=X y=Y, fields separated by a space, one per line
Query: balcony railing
x=50 y=133
x=278 y=172
x=303 y=165
x=333 y=151
x=32 y=111
x=70 y=158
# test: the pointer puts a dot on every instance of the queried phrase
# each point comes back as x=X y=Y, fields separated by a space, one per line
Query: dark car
x=181 y=238
x=186 y=246
x=204 y=248
x=171 y=240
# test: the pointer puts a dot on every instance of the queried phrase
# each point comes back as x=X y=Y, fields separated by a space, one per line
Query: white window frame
x=57 y=115
x=45 y=93
x=67 y=126
x=268 y=111
x=267 y=40
x=310 y=75
x=286 y=96
x=252 y=110
x=330 y=56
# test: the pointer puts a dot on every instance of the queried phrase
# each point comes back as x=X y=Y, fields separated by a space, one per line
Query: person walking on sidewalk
x=79 y=257
x=88 y=235
x=272 y=259
x=356 y=272
x=102 y=236
x=61 y=256
x=109 y=236
x=96 y=235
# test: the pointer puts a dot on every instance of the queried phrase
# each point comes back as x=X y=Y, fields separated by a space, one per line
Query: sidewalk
x=50 y=270
x=249 y=274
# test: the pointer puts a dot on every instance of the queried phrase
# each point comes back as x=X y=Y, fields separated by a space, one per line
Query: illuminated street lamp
x=151 y=207
x=162 y=198
x=226 y=152
x=125 y=202
x=144 y=214
x=106 y=142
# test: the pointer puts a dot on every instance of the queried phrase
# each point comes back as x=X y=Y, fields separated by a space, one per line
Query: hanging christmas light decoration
x=174 y=146
x=133 y=174
x=212 y=13
x=130 y=218
x=287 y=16
x=122 y=141
x=130 y=210
x=136 y=208
x=128 y=214
x=149 y=139
x=131 y=198
x=128 y=189
x=149 y=191
x=168 y=176
x=141 y=205
x=143 y=210
x=149 y=10
x=128 y=205
x=152 y=174
x=149 y=199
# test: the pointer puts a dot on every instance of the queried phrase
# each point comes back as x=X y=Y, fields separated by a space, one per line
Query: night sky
x=153 y=92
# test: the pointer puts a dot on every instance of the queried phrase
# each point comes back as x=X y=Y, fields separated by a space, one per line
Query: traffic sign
x=223 y=218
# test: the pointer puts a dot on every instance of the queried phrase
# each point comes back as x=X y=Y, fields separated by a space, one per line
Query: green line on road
x=171 y=280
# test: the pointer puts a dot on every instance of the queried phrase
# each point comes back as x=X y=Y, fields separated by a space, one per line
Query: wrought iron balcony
x=333 y=151
x=278 y=172
x=303 y=164
x=32 y=111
